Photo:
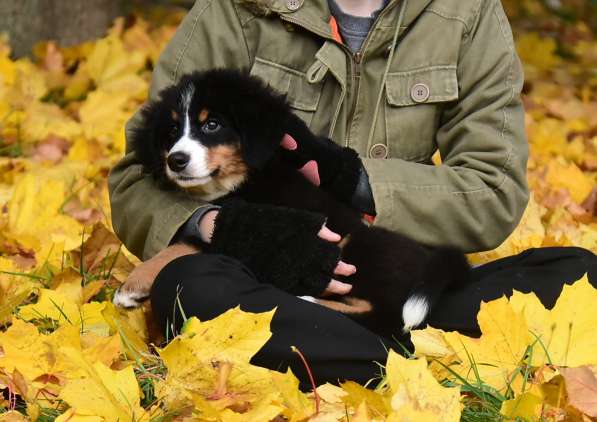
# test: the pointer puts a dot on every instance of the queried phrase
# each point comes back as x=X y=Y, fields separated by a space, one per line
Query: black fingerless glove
x=341 y=171
x=279 y=245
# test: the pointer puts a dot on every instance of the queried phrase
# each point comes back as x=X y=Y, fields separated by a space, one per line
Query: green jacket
x=453 y=84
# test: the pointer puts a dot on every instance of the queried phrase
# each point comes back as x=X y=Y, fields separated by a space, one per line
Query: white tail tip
x=414 y=312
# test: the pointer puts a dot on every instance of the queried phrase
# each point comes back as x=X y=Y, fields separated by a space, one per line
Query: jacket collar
x=314 y=15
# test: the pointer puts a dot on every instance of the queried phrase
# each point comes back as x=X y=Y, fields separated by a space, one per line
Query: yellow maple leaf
x=51 y=304
x=537 y=51
x=42 y=120
x=498 y=353
x=520 y=332
x=430 y=342
x=196 y=357
x=100 y=348
x=34 y=215
x=416 y=395
x=297 y=406
x=234 y=336
x=264 y=410
x=571 y=178
x=24 y=349
x=101 y=391
x=547 y=137
x=377 y=404
x=71 y=416
x=14 y=289
x=131 y=330
x=331 y=393
x=109 y=60
x=526 y=406
x=56 y=360
x=25 y=81
x=78 y=85
x=103 y=115
x=133 y=85
x=565 y=334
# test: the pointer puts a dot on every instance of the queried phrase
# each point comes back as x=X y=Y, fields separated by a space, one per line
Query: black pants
x=336 y=347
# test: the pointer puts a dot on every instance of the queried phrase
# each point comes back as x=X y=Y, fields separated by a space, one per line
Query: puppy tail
x=446 y=267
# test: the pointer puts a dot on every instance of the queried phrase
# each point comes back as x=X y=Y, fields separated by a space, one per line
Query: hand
x=206 y=228
x=324 y=163
x=335 y=286
x=310 y=170
x=206 y=225
x=337 y=170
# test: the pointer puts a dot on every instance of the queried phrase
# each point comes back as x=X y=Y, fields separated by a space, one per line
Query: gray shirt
x=354 y=29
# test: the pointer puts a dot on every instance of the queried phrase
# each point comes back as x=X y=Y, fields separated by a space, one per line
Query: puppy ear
x=258 y=148
x=143 y=138
x=149 y=136
x=260 y=121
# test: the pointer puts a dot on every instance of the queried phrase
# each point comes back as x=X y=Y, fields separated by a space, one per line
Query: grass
x=48 y=414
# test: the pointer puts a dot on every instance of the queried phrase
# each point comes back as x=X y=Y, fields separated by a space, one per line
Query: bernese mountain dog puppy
x=216 y=135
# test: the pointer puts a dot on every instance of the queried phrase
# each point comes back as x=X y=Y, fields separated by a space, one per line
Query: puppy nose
x=177 y=161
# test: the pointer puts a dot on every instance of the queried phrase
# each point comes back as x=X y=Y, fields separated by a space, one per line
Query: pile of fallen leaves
x=67 y=354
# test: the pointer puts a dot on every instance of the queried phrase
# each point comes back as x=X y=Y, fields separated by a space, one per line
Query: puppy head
x=210 y=130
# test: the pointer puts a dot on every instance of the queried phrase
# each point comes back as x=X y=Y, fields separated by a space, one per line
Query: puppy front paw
x=129 y=298
x=137 y=286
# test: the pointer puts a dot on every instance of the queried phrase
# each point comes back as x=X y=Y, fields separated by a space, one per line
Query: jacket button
x=294 y=4
x=419 y=93
x=378 y=151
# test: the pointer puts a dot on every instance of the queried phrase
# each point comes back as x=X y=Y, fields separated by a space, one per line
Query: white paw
x=414 y=312
x=127 y=300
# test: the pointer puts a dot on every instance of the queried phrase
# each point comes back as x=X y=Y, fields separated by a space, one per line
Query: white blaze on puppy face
x=196 y=172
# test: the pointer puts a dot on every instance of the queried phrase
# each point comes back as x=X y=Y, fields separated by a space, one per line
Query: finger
x=345 y=269
x=337 y=288
x=310 y=171
x=327 y=234
x=288 y=143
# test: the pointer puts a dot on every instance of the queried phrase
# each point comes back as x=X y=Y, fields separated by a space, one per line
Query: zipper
x=356 y=60
x=355 y=84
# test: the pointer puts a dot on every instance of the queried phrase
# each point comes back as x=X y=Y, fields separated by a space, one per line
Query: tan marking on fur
x=232 y=172
x=142 y=277
x=227 y=158
x=351 y=305
x=174 y=115
x=203 y=115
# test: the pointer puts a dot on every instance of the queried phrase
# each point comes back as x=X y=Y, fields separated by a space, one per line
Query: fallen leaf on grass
x=416 y=395
x=581 y=385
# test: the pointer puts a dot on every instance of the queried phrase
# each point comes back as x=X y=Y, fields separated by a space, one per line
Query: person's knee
x=201 y=285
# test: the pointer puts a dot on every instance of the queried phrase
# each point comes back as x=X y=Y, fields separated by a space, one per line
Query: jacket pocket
x=302 y=96
x=413 y=109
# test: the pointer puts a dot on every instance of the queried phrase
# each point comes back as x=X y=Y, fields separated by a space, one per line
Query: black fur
x=283 y=235
x=391 y=267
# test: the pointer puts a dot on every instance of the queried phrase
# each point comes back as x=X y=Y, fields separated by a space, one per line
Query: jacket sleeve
x=144 y=217
x=476 y=198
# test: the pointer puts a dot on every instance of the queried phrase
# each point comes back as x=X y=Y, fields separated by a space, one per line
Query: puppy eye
x=211 y=126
